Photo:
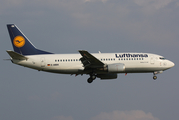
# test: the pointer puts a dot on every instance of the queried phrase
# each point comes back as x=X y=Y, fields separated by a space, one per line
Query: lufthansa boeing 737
x=101 y=65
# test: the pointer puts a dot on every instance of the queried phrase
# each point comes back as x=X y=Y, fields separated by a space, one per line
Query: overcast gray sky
x=65 y=26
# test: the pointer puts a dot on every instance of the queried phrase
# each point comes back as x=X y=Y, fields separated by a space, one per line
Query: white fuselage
x=71 y=64
x=100 y=65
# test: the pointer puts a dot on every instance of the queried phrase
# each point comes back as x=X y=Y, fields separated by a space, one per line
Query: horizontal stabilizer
x=15 y=55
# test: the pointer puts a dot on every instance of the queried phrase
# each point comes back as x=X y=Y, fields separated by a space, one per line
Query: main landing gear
x=92 y=77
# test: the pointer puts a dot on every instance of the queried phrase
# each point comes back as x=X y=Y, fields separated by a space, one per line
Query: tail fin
x=20 y=42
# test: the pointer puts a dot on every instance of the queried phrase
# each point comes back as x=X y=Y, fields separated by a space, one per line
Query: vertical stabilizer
x=20 y=42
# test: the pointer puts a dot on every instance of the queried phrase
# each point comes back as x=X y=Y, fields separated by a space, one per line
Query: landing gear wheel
x=93 y=77
x=90 y=80
x=154 y=77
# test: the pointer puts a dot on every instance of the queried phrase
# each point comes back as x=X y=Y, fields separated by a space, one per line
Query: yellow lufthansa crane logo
x=19 y=41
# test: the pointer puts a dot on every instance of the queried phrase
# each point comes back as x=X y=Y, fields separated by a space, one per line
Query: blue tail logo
x=21 y=43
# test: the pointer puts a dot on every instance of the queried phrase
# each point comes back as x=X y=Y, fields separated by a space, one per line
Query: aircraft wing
x=89 y=61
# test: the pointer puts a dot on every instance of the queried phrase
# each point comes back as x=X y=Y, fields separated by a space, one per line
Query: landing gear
x=154 y=77
x=156 y=72
x=90 y=80
x=92 y=77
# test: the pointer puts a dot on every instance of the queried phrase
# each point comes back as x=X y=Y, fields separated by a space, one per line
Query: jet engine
x=115 y=68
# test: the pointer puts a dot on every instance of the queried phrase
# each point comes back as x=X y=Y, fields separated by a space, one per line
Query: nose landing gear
x=154 y=77
x=156 y=72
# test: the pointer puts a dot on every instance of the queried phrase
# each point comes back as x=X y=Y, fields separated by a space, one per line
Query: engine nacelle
x=107 y=76
x=115 y=68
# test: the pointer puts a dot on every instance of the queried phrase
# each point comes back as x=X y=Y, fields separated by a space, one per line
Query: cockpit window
x=162 y=58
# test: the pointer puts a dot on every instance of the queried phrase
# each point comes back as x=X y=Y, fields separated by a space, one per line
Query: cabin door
x=152 y=60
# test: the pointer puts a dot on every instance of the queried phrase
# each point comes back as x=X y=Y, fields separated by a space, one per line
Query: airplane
x=96 y=65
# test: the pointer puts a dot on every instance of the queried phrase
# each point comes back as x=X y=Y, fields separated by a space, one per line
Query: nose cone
x=171 y=64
